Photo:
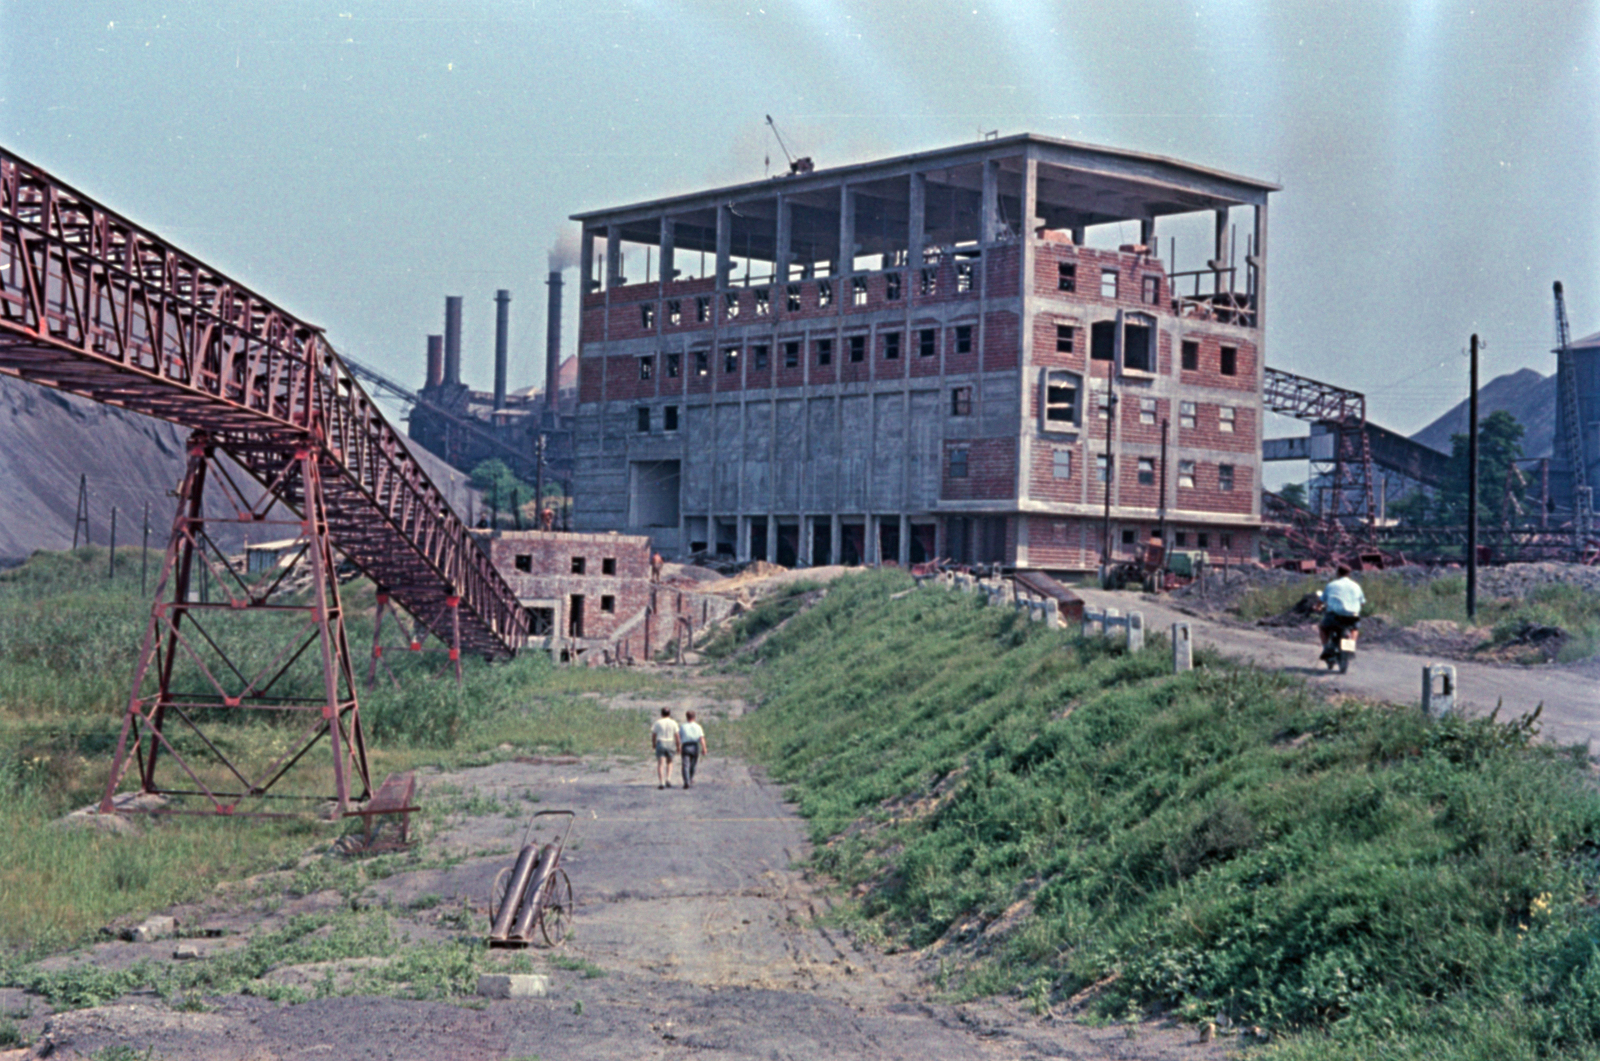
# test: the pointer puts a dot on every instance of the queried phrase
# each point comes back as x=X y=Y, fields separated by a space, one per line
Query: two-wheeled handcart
x=533 y=895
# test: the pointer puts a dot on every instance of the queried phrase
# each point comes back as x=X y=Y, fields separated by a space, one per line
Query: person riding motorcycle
x=1342 y=601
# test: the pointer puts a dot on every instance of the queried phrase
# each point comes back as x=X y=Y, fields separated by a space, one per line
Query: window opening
x=702 y=362
x=1108 y=283
x=792 y=297
x=674 y=311
x=702 y=309
x=891 y=346
x=1191 y=355
x=958 y=464
x=763 y=301
x=1186 y=474
x=1061 y=464
x=1186 y=415
x=927 y=342
x=608 y=604
x=858 y=348
x=730 y=360
x=647 y=315
x=760 y=356
x=1103 y=340
x=1180 y=539
x=930 y=281
x=575 y=616
x=963 y=338
x=1202 y=539
x=1225 y=540
x=674 y=365
x=1067 y=276
x=577 y=565
x=1101 y=461
x=1147 y=471
x=791 y=355
x=731 y=302
x=824 y=351
x=647 y=366
x=669 y=418
x=1225 y=478
x=1065 y=333
x=963 y=277
x=1136 y=347
x=891 y=287
x=824 y=292
x=524 y=562
x=858 y=291
x=1147 y=410
x=608 y=565
x=1061 y=397
x=1152 y=290
x=1225 y=419
x=1127 y=535
x=642 y=415
x=960 y=401
x=1230 y=361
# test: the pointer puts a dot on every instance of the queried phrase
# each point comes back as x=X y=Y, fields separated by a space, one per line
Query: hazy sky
x=357 y=161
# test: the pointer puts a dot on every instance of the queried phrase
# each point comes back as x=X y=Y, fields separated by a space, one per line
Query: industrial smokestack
x=502 y=335
x=435 y=360
x=452 y=339
x=552 y=342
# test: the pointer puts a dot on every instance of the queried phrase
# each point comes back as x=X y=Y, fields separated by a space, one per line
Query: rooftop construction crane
x=1571 y=440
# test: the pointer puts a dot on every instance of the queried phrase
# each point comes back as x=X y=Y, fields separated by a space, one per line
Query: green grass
x=1358 y=881
x=1570 y=607
x=69 y=639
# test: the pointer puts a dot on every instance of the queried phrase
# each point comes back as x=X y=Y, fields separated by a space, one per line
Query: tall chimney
x=502 y=329
x=552 y=342
x=452 y=339
x=435 y=361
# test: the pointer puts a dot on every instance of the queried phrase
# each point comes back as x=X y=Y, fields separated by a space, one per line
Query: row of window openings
x=608 y=564
x=1180 y=539
x=760 y=354
x=1061 y=405
x=960 y=405
x=1067 y=280
x=1061 y=468
x=928 y=284
x=1136 y=352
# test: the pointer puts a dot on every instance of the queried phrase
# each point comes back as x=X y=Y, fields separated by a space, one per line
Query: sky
x=359 y=161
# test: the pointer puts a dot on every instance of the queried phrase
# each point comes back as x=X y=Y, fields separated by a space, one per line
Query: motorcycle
x=1339 y=644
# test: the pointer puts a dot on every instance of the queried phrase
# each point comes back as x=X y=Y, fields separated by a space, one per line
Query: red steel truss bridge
x=95 y=305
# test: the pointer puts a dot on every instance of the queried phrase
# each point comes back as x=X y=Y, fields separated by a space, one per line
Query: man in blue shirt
x=1342 y=602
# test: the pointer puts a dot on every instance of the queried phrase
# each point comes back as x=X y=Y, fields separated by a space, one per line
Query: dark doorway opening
x=924 y=539
x=821 y=544
x=758 y=538
x=575 y=616
x=852 y=543
x=889 y=542
x=788 y=545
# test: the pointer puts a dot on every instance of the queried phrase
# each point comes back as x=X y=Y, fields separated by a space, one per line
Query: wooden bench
x=393 y=797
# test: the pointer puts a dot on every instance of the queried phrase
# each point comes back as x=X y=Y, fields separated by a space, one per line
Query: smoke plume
x=565 y=252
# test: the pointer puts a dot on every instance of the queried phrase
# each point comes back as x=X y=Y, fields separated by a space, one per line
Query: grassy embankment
x=1572 y=608
x=1063 y=818
x=69 y=638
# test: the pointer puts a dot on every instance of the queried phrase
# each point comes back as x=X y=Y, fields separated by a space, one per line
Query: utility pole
x=1105 y=530
x=1472 y=488
x=82 y=518
x=144 y=552
x=538 y=486
x=1161 y=504
x=111 y=554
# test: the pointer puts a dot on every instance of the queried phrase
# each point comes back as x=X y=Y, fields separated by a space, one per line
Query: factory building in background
x=956 y=353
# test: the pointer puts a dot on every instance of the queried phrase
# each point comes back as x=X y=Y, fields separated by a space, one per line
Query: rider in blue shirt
x=1342 y=601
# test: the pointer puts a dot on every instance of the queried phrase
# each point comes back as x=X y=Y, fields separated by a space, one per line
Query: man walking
x=664 y=739
x=692 y=744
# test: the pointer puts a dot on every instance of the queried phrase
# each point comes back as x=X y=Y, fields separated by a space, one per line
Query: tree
x=502 y=491
x=1294 y=494
x=1499 y=445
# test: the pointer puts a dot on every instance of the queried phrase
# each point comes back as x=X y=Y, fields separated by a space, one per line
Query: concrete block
x=1135 y=631
x=1052 y=613
x=153 y=928
x=1182 y=648
x=185 y=953
x=1438 y=690
x=513 y=985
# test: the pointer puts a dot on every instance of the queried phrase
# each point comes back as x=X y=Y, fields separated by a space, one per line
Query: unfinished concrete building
x=951 y=353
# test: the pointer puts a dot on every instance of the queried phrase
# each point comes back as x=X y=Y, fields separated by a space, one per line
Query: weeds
x=589 y=969
x=1219 y=843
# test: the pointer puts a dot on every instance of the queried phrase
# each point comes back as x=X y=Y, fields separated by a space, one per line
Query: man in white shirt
x=664 y=739
x=692 y=745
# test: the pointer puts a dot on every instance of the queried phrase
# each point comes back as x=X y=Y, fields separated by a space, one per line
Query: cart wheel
x=557 y=915
x=497 y=894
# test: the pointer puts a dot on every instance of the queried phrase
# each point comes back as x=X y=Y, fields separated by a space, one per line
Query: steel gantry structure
x=1344 y=412
x=93 y=304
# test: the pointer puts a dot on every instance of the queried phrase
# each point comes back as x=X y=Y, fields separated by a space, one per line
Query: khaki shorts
x=664 y=751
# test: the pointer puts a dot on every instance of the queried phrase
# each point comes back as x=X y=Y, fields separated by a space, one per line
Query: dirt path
x=692 y=907
x=1571 y=695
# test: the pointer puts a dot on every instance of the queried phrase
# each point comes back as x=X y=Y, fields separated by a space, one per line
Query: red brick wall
x=1042 y=483
x=1131 y=270
x=1206 y=495
x=1210 y=375
x=1005 y=270
x=1205 y=433
x=916 y=363
x=991 y=470
x=1002 y=341
x=1063 y=543
x=957 y=363
x=591 y=371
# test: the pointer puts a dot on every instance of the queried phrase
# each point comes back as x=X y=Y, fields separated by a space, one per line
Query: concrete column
x=834 y=527
x=724 y=253
x=905 y=540
x=1182 y=648
x=741 y=540
x=989 y=209
x=1147 y=232
x=585 y=264
x=614 y=275
x=785 y=233
x=1259 y=260
x=847 y=243
x=772 y=539
x=1221 y=234
x=669 y=250
x=1030 y=201
x=917 y=229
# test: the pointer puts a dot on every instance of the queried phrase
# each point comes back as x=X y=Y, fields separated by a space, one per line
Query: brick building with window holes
x=915 y=357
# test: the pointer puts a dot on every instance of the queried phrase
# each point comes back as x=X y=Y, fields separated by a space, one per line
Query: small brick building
x=955 y=353
x=594 y=593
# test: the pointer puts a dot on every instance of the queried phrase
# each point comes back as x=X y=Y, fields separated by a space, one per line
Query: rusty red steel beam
x=95 y=305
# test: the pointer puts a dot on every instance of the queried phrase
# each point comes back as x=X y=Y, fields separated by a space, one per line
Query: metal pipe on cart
x=530 y=908
x=513 y=898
